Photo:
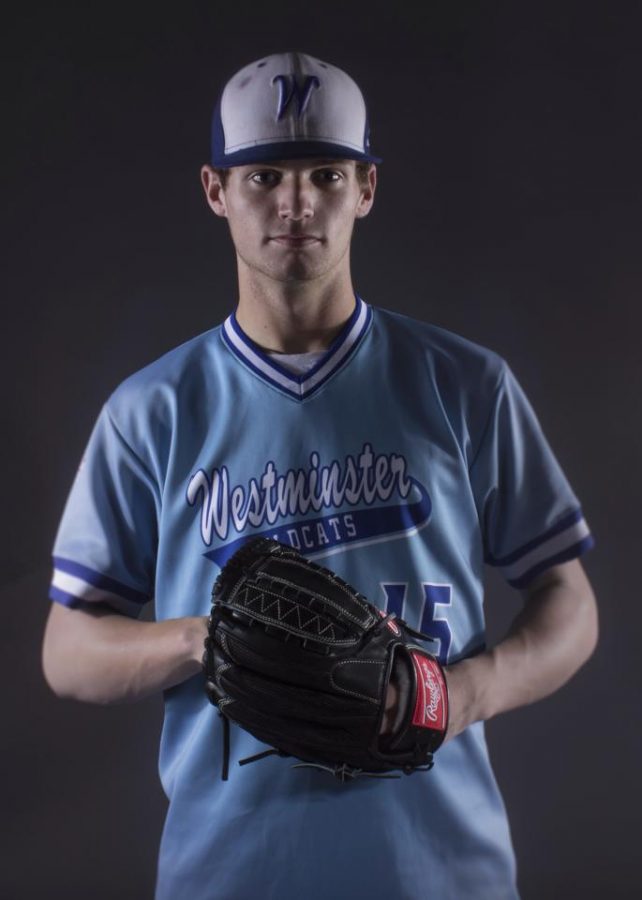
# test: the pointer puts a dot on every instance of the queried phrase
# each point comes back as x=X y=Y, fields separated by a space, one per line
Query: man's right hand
x=103 y=657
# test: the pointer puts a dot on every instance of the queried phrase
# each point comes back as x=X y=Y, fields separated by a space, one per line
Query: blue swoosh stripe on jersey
x=92 y=579
x=570 y=553
x=565 y=522
x=299 y=386
x=576 y=536
x=371 y=526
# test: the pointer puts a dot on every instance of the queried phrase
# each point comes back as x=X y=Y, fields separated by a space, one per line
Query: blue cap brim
x=289 y=150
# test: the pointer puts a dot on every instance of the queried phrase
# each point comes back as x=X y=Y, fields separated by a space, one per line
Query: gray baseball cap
x=289 y=106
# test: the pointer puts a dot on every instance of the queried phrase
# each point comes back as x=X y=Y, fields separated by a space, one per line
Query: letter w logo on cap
x=290 y=88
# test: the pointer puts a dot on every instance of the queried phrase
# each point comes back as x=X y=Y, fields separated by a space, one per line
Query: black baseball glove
x=303 y=662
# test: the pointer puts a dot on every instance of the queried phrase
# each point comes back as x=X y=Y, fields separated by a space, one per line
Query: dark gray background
x=508 y=211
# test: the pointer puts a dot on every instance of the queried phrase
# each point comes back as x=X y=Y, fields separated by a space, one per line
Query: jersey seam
x=489 y=418
x=144 y=467
x=157 y=493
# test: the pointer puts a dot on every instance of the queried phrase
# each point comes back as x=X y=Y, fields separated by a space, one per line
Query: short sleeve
x=529 y=515
x=105 y=549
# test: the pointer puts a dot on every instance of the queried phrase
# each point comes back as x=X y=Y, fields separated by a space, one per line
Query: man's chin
x=298 y=274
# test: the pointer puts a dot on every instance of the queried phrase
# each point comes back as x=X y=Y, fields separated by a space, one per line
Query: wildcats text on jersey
x=355 y=490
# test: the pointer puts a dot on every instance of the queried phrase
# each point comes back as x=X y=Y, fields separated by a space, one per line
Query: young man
x=400 y=455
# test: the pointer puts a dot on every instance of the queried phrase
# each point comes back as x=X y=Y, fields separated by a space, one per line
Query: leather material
x=302 y=661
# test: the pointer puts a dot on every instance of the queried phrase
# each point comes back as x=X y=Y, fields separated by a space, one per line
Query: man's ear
x=214 y=192
x=367 y=194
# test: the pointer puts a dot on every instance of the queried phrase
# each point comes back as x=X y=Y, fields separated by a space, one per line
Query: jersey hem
x=554 y=545
x=573 y=552
x=74 y=584
x=575 y=517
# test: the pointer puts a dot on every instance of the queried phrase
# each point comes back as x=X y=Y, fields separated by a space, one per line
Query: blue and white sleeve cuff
x=75 y=585
x=568 y=539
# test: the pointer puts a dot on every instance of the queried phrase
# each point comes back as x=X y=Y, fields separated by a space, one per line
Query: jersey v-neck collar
x=299 y=387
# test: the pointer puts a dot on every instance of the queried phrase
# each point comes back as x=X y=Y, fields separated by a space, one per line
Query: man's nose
x=295 y=200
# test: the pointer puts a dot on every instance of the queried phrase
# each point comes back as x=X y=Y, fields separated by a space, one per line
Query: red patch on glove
x=431 y=706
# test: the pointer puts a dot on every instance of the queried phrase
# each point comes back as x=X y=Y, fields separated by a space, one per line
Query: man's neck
x=294 y=317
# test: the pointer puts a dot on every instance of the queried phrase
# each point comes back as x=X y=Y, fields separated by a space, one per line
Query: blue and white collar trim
x=299 y=387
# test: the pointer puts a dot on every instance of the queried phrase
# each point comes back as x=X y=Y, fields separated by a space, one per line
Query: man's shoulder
x=179 y=369
x=443 y=351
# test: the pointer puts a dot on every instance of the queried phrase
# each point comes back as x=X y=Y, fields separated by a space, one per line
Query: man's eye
x=267 y=178
x=328 y=176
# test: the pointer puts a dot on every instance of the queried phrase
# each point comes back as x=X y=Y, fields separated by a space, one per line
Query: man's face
x=292 y=221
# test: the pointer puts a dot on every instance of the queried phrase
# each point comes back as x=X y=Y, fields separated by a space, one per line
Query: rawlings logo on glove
x=303 y=662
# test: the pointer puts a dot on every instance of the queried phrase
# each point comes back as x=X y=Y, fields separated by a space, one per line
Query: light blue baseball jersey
x=405 y=459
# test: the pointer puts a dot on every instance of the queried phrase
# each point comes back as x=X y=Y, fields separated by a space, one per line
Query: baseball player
x=404 y=457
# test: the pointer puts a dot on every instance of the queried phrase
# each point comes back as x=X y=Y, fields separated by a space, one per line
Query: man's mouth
x=295 y=240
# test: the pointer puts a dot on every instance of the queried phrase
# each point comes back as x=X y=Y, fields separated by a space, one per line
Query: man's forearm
x=548 y=642
x=106 y=658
